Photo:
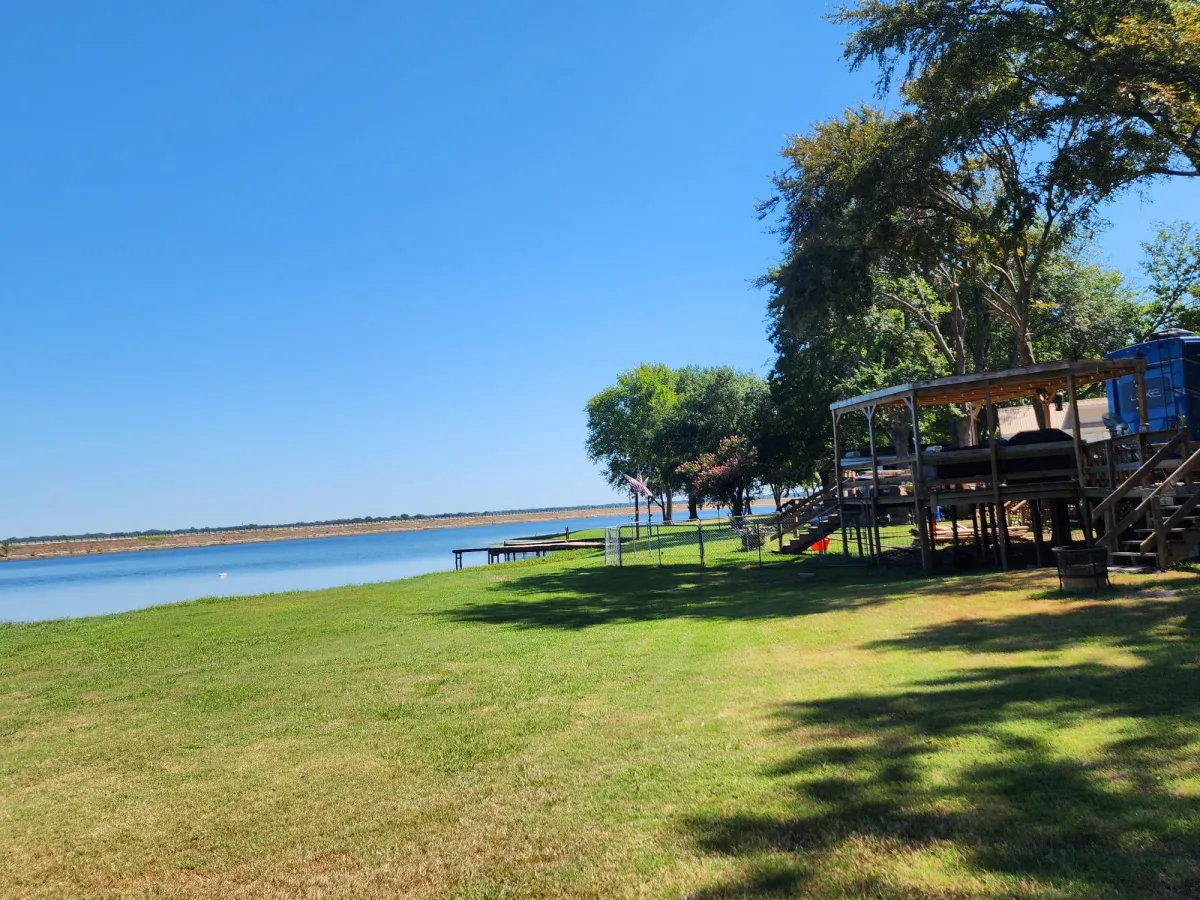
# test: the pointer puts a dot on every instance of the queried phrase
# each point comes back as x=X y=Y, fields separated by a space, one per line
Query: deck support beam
x=877 y=550
x=1085 y=511
x=998 y=513
x=1143 y=413
x=919 y=488
x=837 y=481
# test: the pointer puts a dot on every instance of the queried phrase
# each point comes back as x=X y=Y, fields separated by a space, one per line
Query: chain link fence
x=708 y=542
x=892 y=541
x=751 y=540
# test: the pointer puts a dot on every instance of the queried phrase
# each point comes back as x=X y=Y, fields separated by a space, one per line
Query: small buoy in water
x=223 y=575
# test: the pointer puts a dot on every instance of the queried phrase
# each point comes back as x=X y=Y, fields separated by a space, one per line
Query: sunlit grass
x=553 y=728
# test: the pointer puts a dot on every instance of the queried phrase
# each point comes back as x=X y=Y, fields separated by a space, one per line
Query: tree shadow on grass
x=584 y=597
x=1134 y=622
x=973 y=767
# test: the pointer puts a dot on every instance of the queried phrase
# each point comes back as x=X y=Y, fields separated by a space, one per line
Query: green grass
x=553 y=728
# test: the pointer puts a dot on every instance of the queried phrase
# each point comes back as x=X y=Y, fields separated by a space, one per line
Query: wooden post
x=1035 y=521
x=1160 y=533
x=954 y=533
x=874 y=520
x=1085 y=508
x=996 y=543
x=998 y=512
x=918 y=488
x=1110 y=460
x=985 y=532
x=1143 y=413
x=977 y=532
x=837 y=482
x=1110 y=516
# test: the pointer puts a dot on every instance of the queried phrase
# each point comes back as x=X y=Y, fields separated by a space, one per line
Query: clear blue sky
x=302 y=261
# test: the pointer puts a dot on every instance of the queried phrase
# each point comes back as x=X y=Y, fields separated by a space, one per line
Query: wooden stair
x=1163 y=530
x=1181 y=540
x=819 y=520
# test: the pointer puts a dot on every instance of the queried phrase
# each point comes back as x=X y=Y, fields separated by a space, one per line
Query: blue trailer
x=1172 y=384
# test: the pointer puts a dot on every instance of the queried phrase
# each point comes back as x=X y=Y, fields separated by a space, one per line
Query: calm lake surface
x=67 y=587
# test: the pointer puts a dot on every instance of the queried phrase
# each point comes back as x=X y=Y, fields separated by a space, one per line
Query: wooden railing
x=1177 y=517
x=1151 y=504
x=798 y=507
x=1138 y=478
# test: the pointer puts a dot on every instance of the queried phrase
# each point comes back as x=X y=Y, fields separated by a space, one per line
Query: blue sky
x=269 y=263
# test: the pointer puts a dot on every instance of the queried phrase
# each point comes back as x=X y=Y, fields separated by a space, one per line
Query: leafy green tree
x=780 y=466
x=1173 y=265
x=874 y=215
x=654 y=419
x=625 y=424
x=1083 y=310
x=839 y=358
x=1123 y=75
x=714 y=402
x=873 y=211
x=728 y=475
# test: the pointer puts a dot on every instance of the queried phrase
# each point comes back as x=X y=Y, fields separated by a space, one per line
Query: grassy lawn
x=553 y=728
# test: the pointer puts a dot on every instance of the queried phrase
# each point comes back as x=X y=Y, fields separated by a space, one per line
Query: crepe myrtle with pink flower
x=726 y=477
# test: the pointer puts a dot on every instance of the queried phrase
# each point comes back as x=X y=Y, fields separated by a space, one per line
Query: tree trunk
x=958 y=322
x=1025 y=350
x=968 y=426
x=637 y=516
x=669 y=508
x=693 y=506
x=899 y=429
x=777 y=493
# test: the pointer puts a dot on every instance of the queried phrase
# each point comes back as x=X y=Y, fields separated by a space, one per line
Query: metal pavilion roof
x=996 y=387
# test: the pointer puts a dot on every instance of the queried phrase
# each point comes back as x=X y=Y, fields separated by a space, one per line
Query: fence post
x=620 y=558
x=760 y=539
x=700 y=532
x=660 y=546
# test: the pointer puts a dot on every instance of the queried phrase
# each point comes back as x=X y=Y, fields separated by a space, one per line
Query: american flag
x=639 y=486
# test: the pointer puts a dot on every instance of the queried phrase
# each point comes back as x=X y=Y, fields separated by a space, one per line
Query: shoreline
x=93 y=546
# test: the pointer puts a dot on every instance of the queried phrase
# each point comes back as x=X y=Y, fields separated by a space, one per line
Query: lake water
x=66 y=587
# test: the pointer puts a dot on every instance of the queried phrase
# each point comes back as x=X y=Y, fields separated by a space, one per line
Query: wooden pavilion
x=989 y=480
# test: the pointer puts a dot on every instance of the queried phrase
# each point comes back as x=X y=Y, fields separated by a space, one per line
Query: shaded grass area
x=554 y=728
x=1075 y=778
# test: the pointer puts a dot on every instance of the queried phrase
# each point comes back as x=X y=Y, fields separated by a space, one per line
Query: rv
x=1172 y=382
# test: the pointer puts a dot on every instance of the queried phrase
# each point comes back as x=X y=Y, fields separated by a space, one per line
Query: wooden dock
x=511 y=550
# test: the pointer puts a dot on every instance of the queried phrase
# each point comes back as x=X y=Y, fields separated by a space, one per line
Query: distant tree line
x=361 y=520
